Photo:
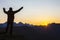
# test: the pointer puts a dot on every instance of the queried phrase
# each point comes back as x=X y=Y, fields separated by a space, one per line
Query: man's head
x=10 y=8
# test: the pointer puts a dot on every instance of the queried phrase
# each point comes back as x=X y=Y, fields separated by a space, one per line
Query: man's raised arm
x=18 y=10
x=4 y=10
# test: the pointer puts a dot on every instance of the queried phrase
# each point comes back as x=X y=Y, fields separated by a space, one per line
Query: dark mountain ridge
x=33 y=32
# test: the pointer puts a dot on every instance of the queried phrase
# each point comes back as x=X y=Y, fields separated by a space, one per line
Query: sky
x=36 y=12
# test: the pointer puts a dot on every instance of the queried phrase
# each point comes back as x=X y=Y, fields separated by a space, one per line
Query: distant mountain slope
x=31 y=32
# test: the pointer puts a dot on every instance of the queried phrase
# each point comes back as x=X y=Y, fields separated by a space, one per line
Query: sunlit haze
x=36 y=12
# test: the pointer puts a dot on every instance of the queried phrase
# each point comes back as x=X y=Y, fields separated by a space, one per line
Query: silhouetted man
x=10 y=13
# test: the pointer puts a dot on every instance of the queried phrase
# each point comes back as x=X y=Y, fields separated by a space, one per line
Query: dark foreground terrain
x=51 y=32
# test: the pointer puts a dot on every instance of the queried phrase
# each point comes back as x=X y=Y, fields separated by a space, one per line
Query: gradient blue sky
x=34 y=12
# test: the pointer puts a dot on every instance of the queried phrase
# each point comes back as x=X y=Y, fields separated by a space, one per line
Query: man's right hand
x=3 y=8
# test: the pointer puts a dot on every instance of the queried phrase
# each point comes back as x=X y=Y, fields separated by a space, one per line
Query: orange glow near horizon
x=38 y=22
x=33 y=22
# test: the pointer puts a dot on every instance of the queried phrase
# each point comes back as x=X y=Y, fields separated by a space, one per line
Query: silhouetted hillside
x=15 y=24
x=32 y=32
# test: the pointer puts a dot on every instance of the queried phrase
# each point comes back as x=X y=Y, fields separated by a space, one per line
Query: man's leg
x=11 y=28
x=7 y=27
